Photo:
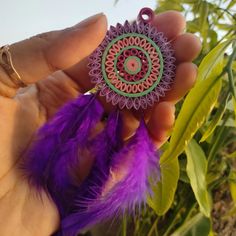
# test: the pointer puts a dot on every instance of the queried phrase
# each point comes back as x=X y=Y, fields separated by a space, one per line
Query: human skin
x=54 y=65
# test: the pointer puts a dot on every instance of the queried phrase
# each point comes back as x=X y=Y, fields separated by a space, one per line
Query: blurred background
x=196 y=195
x=50 y=15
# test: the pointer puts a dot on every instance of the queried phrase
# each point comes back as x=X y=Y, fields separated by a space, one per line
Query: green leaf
x=231 y=4
x=213 y=37
x=231 y=155
x=198 y=225
x=189 y=1
x=124 y=226
x=193 y=26
x=214 y=174
x=234 y=107
x=169 y=5
x=183 y=175
x=204 y=8
x=226 y=27
x=196 y=171
x=195 y=109
x=229 y=123
x=216 y=119
x=210 y=63
x=204 y=24
x=165 y=189
x=230 y=105
x=234 y=65
x=232 y=185
x=198 y=103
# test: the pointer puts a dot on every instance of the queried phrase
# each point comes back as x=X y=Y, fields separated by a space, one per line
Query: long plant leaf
x=196 y=171
x=196 y=226
x=195 y=109
x=216 y=119
x=164 y=190
x=198 y=103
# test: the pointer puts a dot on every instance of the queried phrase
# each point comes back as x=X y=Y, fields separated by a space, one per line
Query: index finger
x=37 y=57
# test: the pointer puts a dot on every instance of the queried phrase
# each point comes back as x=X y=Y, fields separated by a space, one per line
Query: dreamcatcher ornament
x=132 y=68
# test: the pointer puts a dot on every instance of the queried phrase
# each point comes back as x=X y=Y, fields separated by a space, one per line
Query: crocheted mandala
x=134 y=65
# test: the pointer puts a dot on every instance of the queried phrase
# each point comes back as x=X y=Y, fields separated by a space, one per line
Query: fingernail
x=89 y=21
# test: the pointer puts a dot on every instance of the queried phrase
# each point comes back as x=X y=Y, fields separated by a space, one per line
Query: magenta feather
x=126 y=186
x=103 y=147
x=49 y=162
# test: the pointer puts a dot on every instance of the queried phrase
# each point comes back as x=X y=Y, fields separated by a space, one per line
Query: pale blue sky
x=23 y=18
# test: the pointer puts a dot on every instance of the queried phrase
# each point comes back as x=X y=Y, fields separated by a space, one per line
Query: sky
x=21 y=19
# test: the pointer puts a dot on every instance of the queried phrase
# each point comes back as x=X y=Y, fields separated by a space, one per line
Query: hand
x=23 y=111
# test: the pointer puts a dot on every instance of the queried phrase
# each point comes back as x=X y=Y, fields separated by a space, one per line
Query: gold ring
x=7 y=65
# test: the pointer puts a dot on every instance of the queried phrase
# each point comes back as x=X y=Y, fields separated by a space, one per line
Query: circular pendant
x=134 y=65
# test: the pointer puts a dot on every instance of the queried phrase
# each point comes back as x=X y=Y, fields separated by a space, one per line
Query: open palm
x=54 y=65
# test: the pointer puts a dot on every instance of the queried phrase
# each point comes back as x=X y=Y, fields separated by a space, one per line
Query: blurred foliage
x=201 y=155
x=204 y=137
x=205 y=128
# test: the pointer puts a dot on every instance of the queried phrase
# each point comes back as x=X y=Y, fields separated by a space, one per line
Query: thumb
x=41 y=55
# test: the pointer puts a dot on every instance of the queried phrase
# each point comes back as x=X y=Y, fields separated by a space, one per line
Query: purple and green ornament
x=134 y=65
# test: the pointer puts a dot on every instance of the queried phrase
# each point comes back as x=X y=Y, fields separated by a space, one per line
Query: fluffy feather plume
x=55 y=152
x=103 y=147
x=126 y=186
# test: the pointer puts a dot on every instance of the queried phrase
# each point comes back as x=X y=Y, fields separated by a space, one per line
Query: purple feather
x=126 y=186
x=49 y=162
x=104 y=146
